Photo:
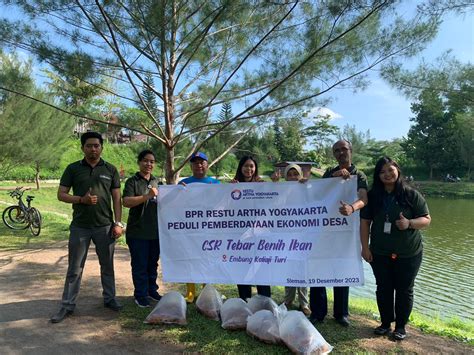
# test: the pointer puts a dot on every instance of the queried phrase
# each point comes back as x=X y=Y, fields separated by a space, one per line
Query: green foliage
x=14 y=74
x=431 y=140
x=441 y=137
x=289 y=138
x=40 y=147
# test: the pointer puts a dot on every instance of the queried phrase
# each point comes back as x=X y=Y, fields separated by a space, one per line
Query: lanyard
x=388 y=201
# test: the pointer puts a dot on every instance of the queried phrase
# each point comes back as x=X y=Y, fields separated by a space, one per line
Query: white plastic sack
x=209 y=302
x=171 y=309
x=300 y=336
x=263 y=325
x=259 y=302
x=234 y=313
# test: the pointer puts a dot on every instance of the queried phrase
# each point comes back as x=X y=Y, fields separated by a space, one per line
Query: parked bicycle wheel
x=35 y=221
x=14 y=218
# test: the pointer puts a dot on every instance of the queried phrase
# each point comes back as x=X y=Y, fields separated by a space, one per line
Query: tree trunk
x=37 y=172
x=170 y=174
x=431 y=173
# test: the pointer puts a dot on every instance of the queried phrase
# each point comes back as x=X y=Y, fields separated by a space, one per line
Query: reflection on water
x=445 y=283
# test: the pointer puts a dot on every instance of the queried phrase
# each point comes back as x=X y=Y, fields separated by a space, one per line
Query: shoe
x=316 y=320
x=189 y=297
x=343 y=321
x=190 y=292
x=59 y=317
x=382 y=330
x=113 y=305
x=306 y=311
x=399 y=334
x=142 y=302
x=155 y=296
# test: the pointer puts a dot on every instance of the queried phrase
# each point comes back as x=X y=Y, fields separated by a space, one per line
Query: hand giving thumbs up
x=402 y=223
x=88 y=198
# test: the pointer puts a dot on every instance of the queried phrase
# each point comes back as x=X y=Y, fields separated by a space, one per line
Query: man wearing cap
x=342 y=151
x=95 y=184
x=199 y=167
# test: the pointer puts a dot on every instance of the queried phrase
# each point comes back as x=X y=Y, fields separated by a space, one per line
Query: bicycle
x=22 y=216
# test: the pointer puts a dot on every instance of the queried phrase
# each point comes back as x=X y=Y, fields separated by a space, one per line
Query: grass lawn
x=205 y=335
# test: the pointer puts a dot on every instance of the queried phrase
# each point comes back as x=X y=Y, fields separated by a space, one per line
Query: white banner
x=284 y=233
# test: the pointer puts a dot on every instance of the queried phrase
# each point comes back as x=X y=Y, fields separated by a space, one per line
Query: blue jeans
x=144 y=261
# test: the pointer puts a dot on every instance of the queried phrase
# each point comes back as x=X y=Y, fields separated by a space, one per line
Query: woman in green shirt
x=394 y=216
x=140 y=195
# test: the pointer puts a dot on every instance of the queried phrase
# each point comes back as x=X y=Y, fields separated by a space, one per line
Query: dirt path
x=31 y=283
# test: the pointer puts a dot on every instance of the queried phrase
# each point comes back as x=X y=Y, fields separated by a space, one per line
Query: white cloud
x=325 y=112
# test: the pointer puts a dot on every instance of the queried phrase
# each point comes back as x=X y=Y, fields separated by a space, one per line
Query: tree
x=14 y=74
x=393 y=149
x=40 y=146
x=464 y=137
x=289 y=138
x=360 y=142
x=445 y=94
x=321 y=134
x=261 y=56
x=430 y=139
x=221 y=143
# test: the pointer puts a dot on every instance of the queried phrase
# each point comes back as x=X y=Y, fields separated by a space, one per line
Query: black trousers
x=395 y=280
x=144 y=255
x=245 y=291
x=318 y=302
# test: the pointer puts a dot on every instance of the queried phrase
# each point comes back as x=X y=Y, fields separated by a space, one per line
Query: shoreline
x=463 y=190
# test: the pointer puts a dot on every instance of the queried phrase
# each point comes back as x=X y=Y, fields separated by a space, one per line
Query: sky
x=383 y=110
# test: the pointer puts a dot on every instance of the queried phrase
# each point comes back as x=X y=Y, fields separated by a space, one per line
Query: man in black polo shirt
x=342 y=151
x=95 y=183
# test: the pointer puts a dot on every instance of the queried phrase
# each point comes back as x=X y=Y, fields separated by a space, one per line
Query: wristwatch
x=119 y=224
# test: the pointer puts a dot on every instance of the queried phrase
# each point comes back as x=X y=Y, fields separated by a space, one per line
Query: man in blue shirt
x=199 y=167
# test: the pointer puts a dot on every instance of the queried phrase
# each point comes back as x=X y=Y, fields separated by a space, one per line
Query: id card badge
x=387 y=226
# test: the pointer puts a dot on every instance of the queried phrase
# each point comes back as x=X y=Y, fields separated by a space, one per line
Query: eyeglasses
x=340 y=150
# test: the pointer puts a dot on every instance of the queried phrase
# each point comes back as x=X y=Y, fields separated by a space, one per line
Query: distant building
x=305 y=166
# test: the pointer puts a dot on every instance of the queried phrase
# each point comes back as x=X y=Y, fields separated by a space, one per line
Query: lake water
x=445 y=284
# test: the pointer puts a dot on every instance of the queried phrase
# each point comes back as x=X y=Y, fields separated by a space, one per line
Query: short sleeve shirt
x=204 y=180
x=361 y=178
x=142 y=219
x=100 y=180
x=405 y=243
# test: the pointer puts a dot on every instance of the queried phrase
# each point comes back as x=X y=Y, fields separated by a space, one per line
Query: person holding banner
x=140 y=194
x=199 y=167
x=293 y=172
x=342 y=151
x=394 y=216
x=247 y=171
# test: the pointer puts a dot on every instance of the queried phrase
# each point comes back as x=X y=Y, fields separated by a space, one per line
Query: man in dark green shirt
x=95 y=183
x=342 y=151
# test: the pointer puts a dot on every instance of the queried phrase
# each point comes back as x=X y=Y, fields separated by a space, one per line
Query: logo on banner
x=236 y=194
x=250 y=194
